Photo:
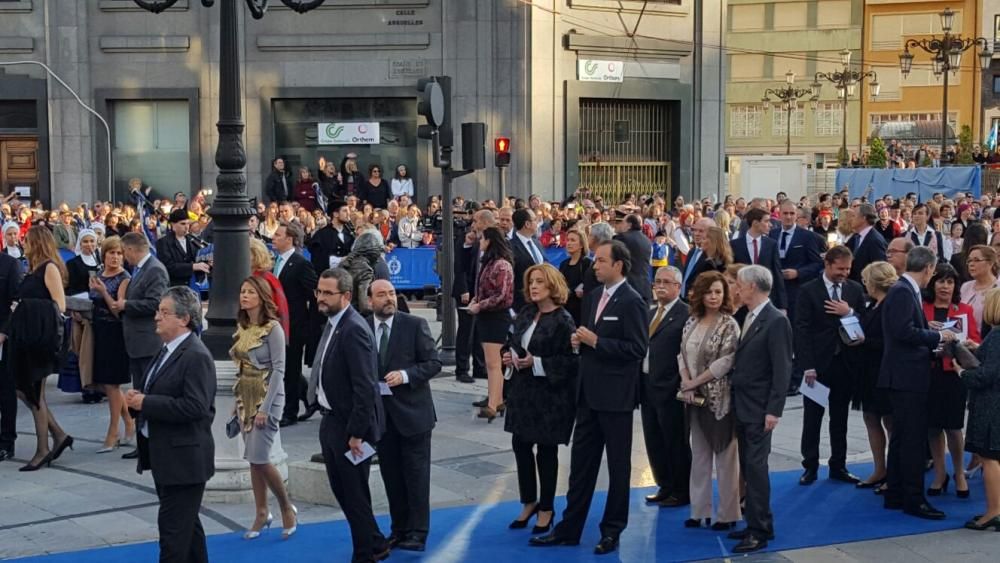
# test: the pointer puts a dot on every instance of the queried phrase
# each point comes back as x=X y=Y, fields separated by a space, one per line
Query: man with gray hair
x=761 y=370
x=600 y=232
x=696 y=257
x=866 y=244
x=663 y=428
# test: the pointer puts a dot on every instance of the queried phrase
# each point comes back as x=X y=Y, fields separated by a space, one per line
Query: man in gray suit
x=142 y=297
x=761 y=370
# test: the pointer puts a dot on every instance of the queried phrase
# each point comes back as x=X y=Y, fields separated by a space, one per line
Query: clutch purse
x=233 y=427
x=963 y=356
x=699 y=401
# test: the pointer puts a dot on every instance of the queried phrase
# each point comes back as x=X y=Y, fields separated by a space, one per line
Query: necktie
x=135 y=275
x=156 y=368
x=836 y=292
x=784 y=241
x=756 y=251
x=383 y=348
x=277 y=264
x=656 y=320
x=605 y=297
x=746 y=325
x=535 y=255
x=315 y=377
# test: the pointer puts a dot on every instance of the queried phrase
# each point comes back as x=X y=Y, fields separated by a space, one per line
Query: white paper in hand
x=366 y=452
x=384 y=388
x=818 y=393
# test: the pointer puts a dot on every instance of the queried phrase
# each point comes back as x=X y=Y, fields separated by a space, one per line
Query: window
x=996 y=31
x=790 y=15
x=18 y=114
x=746 y=67
x=779 y=121
x=876 y=119
x=152 y=142
x=744 y=121
x=996 y=84
x=747 y=17
x=833 y=13
x=889 y=31
x=829 y=119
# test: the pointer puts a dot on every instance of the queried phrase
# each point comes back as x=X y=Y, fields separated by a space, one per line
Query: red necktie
x=755 y=251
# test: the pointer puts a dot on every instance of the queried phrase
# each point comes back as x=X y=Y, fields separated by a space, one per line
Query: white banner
x=589 y=70
x=349 y=133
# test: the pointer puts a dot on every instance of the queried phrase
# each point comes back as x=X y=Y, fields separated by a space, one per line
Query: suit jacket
x=298 y=280
x=465 y=271
x=640 y=249
x=872 y=250
x=142 y=298
x=411 y=349
x=177 y=260
x=762 y=367
x=817 y=333
x=768 y=257
x=350 y=379
x=690 y=271
x=522 y=261
x=10 y=281
x=802 y=253
x=179 y=407
x=907 y=342
x=609 y=373
x=326 y=243
x=662 y=380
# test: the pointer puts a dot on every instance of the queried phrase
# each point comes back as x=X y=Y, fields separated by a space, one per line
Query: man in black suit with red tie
x=757 y=249
x=612 y=346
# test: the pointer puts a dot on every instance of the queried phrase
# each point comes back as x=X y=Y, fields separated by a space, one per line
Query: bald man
x=464 y=287
x=505 y=220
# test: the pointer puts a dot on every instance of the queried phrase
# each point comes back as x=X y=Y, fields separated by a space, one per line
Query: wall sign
x=589 y=70
x=407 y=68
x=349 y=133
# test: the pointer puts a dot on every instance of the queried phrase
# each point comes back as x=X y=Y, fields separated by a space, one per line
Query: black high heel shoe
x=960 y=493
x=695 y=523
x=46 y=461
x=66 y=443
x=993 y=523
x=519 y=524
x=936 y=492
x=545 y=528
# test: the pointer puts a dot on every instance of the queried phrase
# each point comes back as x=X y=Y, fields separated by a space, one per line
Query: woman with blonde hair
x=877 y=277
x=270 y=223
x=261 y=265
x=724 y=222
x=35 y=340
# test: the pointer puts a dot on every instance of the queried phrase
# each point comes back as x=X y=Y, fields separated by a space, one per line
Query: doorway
x=19 y=166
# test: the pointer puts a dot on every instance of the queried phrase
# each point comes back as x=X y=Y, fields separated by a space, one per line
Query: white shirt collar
x=913 y=282
x=379 y=321
x=287 y=254
x=611 y=290
x=789 y=230
x=144 y=260
x=755 y=312
x=863 y=233
x=335 y=320
x=173 y=344
x=670 y=305
x=524 y=240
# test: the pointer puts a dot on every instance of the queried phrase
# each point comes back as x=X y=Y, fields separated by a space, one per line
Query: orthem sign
x=349 y=133
x=589 y=70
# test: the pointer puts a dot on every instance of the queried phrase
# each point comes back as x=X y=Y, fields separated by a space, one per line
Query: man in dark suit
x=467 y=343
x=906 y=366
x=10 y=281
x=696 y=258
x=756 y=248
x=761 y=369
x=526 y=249
x=821 y=356
x=333 y=242
x=298 y=280
x=612 y=345
x=866 y=243
x=177 y=253
x=408 y=360
x=663 y=425
x=345 y=382
x=799 y=251
x=142 y=297
x=175 y=403
x=640 y=249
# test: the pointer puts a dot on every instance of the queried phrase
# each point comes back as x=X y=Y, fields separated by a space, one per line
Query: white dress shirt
x=320 y=394
x=529 y=245
x=378 y=339
x=760 y=246
x=284 y=261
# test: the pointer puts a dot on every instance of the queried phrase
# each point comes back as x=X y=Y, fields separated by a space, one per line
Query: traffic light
x=430 y=105
x=501 y=151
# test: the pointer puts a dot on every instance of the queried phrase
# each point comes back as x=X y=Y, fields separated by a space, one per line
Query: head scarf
x=99 y=228
x=6 y=227
x=370 y=245
x=79 y=238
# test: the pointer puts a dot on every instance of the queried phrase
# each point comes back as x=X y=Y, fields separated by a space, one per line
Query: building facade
x=651 y=124
x=989 y=27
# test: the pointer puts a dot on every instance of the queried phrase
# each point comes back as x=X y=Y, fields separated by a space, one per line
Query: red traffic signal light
x=501 y=152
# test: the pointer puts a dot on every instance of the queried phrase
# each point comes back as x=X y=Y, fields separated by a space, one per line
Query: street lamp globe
x=767 y=103
x=905 y=62
x=814 y=103
x=814 y=88
x=955 y=57
x=840 y=92
x=850 y=89
x=938 y=65
x=790 y=77
x=947 y=19
x=985 y=59
x=845 y=57
x=874 y=88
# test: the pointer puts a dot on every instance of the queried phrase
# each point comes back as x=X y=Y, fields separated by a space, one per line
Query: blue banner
x=897 y=182
x=413 y=268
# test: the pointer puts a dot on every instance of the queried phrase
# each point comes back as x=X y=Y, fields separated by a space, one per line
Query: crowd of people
x=902 y=155
x=705 y=316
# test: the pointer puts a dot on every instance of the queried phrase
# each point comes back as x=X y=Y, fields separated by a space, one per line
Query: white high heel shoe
x=289 y=532
x=254 y=534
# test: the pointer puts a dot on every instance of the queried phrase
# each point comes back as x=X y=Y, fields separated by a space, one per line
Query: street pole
x=944 y=112
x=503 y=192
x=843 y=132
x=788 y=128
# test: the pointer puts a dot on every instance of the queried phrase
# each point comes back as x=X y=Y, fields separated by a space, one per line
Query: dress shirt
x=183 y=242
x=829 y=291
x=760 y=246
x=752 y=316
x=861 y=236
x=378 y=338
x=536 y=365
x=138 y=267
x=284 y=261
x=320 y=394
x=533 y=250
x=782 y=249
x=610 y=290
x=170 y=346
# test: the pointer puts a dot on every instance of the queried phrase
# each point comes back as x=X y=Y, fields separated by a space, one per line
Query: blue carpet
x=823 y=514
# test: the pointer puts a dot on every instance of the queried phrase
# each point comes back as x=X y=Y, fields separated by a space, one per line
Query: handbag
x=233 y=427
x=962 y=355
x=699 y=401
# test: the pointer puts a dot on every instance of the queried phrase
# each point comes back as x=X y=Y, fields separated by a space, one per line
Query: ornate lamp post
x=231 y=209
x=845 y=80
x=788 y=96
x=946 y=55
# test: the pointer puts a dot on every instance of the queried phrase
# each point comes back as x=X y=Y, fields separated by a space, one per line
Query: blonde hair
x=880 y=276
x=991 y=307
x=260 y=257
x=722 y=219
x=558 y=291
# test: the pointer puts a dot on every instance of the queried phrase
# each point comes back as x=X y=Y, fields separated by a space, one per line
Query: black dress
x=541 y=410
x=35 y=335
x=947 y=395
x=873 y=399
x=79 y=274
x=575 y=276
x=110 y=364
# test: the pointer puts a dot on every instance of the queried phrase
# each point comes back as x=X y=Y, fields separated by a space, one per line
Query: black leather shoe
x=660 y=496
x=382 y=555
x=742 y=534
x=394 y=539
x=808 y=477
x=607 y=545
x=551 y=540
x=5 y=454
x=134 y=454
x=411 y=543
x=287 y=421
x=464 y=378
x=926 y=512
x=317 y=458
x=870 y=485
x=310 y=410
x=672 y=501
x=750 y=544
x=844 y=476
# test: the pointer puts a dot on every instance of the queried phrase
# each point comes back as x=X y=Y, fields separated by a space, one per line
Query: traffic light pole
x=446 y=268
x=503 y=191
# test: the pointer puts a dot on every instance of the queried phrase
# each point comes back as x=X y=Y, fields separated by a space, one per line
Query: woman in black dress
x=541 y=391
x=375 y=190
x=35 y=338
x=574 y=271
x=878 y=277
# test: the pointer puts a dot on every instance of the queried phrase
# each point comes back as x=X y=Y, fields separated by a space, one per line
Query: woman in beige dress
x=708 y=346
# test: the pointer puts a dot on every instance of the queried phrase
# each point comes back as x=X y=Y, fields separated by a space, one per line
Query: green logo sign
x=590 y=68
x=333 y=130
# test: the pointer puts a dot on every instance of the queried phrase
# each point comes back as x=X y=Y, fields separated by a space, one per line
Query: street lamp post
x=788 y=96
x=946 y=55
x=845 y=80
x=231 y=209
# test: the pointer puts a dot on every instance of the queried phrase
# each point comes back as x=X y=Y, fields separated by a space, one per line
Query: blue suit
x=802 y=253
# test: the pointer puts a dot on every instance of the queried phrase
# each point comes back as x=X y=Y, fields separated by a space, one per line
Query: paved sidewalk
x=88 y=500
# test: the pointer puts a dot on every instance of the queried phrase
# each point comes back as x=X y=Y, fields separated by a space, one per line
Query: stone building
x=619 y=96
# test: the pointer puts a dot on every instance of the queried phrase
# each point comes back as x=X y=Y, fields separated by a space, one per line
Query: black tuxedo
x=405 y=449
x=906 y=373
x=768 y=257
x=177 y=260
x=298 y=280
x=522 y=261
x=325 y=243
x=347 y=371
x=663 y=427
x=872 y=249
x=640 y=250
x=608 y=393
x=818 y=347
x=176 y=417
x=762 y=367
x=803 y=250
x=10 y=281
